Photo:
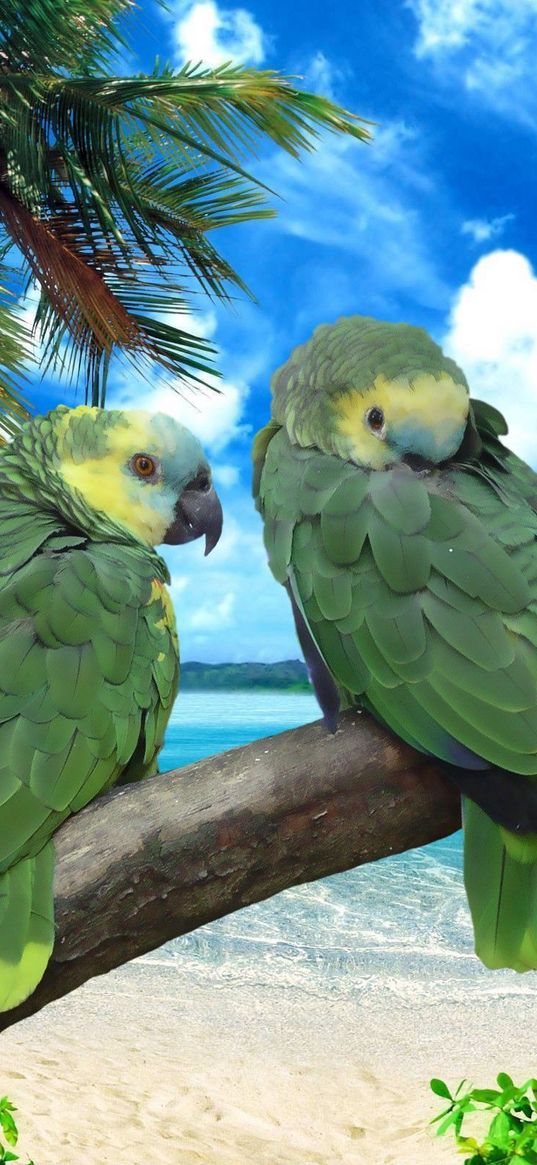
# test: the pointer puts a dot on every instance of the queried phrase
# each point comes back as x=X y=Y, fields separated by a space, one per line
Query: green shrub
x=512 y=1133
x=10 y=1132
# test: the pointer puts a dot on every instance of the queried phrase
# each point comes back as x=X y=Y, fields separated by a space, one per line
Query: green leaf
x=499 y=1131
x=440 y=1088
x=485 y=1095
x=10 y=1131
x=9 y=1128
x=446 y=1124
x=467 y=1143
x=524 y=1107
x=504 y=1080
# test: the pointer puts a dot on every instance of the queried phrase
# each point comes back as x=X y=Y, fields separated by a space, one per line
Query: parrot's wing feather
x=488 y=420
x=418 y=595
x=322 y=681
x=419 y=591
x=87 y=671
x=261 y=444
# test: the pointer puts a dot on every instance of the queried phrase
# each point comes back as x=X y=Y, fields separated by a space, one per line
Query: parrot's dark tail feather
x=321 y=680
x=500 y=875
x=26 y=926
x=510 y=799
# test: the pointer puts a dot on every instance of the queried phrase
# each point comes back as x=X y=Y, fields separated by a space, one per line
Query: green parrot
x=88 y=646
x=404 y=531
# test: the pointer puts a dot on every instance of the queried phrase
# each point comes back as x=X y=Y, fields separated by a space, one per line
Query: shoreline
x=146 y=1064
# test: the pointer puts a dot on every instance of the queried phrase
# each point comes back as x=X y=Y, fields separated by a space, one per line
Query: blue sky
x=433 y=224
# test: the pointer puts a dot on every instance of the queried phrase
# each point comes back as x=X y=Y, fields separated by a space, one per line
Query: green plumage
x=88 y=666
x=418 y=583
x=81 y=716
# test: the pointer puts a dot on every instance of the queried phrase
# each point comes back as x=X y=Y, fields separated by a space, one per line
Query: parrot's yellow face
x=148 y=473
x=423 y=420
x=373 y=392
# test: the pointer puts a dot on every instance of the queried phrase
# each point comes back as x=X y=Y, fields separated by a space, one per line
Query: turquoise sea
x=401 y=922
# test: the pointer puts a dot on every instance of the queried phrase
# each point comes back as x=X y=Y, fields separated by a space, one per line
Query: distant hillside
x=289 y=675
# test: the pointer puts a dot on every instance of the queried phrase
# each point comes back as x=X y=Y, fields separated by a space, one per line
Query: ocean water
x=400 y=925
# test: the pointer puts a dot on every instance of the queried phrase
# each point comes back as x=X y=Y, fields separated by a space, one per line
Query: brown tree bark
x=151 y=861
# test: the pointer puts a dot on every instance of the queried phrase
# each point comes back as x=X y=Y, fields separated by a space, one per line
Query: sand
x=144 y=1067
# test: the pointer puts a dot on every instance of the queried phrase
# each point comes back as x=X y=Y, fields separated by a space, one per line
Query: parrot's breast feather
x=88 y=674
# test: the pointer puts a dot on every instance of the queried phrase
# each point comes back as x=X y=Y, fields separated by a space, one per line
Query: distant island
x=289 y=675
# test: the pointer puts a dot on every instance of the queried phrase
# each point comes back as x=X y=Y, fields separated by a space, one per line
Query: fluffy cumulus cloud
x=204 y=31
x=488 y=45
x=229 y=608
x=493 y=336
x=213 y=413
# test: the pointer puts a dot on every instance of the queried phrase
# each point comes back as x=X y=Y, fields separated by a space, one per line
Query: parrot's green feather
x=404 y=560
x=502 y=893
x=461 y=613
x=26 y=925
x=419 y=588
x=401 y=637
x=95 y=688
x=88 y=655
x=511 y=687
x=402 y=499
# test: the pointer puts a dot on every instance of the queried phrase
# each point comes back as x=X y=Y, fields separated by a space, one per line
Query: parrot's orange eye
x=375 y=419
x=143 y=465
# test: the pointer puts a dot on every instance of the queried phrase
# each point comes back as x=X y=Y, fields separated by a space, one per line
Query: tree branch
x=151 y=861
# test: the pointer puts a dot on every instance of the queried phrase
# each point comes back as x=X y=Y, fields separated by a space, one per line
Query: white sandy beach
x=143 y=1067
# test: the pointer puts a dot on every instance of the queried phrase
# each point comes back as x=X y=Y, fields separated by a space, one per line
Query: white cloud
x=445 y=25
x=226 y=475
x=493 y=336
x=482 y=230
x=228 y=605
x=488 y=46
x=196 y=323
x=213 y=413
x=363 y=200
x=320 y=75
x=206 y=32
x=215 y=616
x=214 y=416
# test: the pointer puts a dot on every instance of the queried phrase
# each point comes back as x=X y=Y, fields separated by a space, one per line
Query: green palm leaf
x=75 y=35
x=109 y=185
x=15 y=351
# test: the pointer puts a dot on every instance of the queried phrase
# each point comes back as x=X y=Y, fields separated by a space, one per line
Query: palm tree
x=109 y=186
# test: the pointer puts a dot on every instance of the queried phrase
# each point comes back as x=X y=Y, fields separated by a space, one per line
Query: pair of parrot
x=404 y=533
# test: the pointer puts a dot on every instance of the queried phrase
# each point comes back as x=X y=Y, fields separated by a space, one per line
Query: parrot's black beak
x=197 y=512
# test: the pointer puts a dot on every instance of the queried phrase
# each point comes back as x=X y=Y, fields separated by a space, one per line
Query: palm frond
x=72 y=35
x=75 y=290
x=110 y=185
x=84 y=316
x=15 y=353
